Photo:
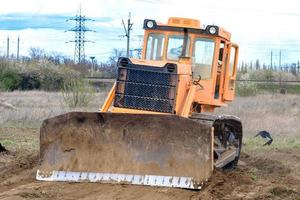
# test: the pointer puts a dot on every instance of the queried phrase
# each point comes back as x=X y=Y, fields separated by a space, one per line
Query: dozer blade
x=156 y=150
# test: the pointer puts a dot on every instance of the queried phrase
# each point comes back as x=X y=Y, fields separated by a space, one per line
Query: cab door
x=230 y=72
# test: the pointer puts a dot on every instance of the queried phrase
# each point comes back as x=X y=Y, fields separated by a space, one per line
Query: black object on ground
x=265 y=135
x=2 y=148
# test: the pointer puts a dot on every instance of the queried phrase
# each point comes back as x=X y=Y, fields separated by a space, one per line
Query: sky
x=257 y=26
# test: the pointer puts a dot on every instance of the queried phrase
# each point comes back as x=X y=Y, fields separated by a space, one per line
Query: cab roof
x=185 y=24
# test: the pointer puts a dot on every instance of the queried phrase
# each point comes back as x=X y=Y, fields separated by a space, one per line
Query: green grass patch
x=252 y=174
x=28 y=144
x=7 y=142
x=256 y=143
x=245 y=89
x=267 y=87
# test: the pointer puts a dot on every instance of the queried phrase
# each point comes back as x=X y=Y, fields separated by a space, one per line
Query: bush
x=51 y=79
x=262 y=75
x=246 y=89
x=30 y=81
x=9 y=77
x=75 y=91
x=30 y=76
x=42 y=76
x=34 y=75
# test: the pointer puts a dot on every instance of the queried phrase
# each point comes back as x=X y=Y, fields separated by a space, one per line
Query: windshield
x=175 y=45
x=203 y=58
x=155 y=47
x=231 y=63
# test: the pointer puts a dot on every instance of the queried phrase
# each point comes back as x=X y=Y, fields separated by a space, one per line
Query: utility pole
x=7 y=48
x=79 y=30
x=127 y=32
x=280 y=60
x=92 y=72
x=280 y=70
x=271 y=60
x=18 y=48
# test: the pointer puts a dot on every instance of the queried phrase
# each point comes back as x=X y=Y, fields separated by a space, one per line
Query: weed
x=246 y=89
x=76 y=92
x=253 y=175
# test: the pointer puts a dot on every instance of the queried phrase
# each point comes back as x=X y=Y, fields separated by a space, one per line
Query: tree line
x=293 y=68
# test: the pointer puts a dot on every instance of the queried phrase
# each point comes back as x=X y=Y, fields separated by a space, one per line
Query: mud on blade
x=157 y=150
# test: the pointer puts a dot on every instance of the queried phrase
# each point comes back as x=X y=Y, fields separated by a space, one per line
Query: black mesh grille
x=144 y=103
x=146 y=88
x=149 y=77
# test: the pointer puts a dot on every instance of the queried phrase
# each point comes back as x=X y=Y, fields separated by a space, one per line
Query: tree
x=55 y=57
x=264 y=66
x=251 y=65
x=257 y=64
x=111 y=66
x=36 y=53
x=245 y=67
x=116 y=54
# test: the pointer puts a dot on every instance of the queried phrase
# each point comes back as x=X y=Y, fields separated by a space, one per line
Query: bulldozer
x=155 y=127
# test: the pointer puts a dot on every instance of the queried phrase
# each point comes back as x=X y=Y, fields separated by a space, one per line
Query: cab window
x=155 y=47
x=203 y=56
x=232 y=60
x=175 y=44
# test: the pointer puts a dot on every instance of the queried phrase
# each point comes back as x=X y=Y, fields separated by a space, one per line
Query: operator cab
x=209 y=52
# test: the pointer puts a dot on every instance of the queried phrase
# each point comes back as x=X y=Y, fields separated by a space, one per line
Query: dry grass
x=35 y=106
x=278 y=114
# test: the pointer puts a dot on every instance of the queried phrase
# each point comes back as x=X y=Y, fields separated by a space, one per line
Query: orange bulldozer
x=155 y=127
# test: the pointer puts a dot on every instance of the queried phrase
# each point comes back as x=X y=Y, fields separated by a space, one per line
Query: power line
x=79 y=30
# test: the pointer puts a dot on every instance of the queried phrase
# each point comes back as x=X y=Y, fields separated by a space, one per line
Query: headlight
x=150 y=24
x=212 y=30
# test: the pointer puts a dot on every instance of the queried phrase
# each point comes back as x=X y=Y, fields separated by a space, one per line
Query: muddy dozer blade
x=156 y=150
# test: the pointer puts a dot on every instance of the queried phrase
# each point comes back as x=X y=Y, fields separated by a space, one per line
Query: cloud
x=17 y=21
x=25 y=21
x=258 y=26
x=149 y=1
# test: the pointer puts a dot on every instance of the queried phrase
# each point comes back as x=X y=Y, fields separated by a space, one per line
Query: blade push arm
x=109 y=99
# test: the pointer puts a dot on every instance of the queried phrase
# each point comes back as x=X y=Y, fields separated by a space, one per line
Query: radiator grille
x=146 y=88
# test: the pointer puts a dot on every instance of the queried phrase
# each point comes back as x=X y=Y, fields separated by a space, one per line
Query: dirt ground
x=271 y=172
